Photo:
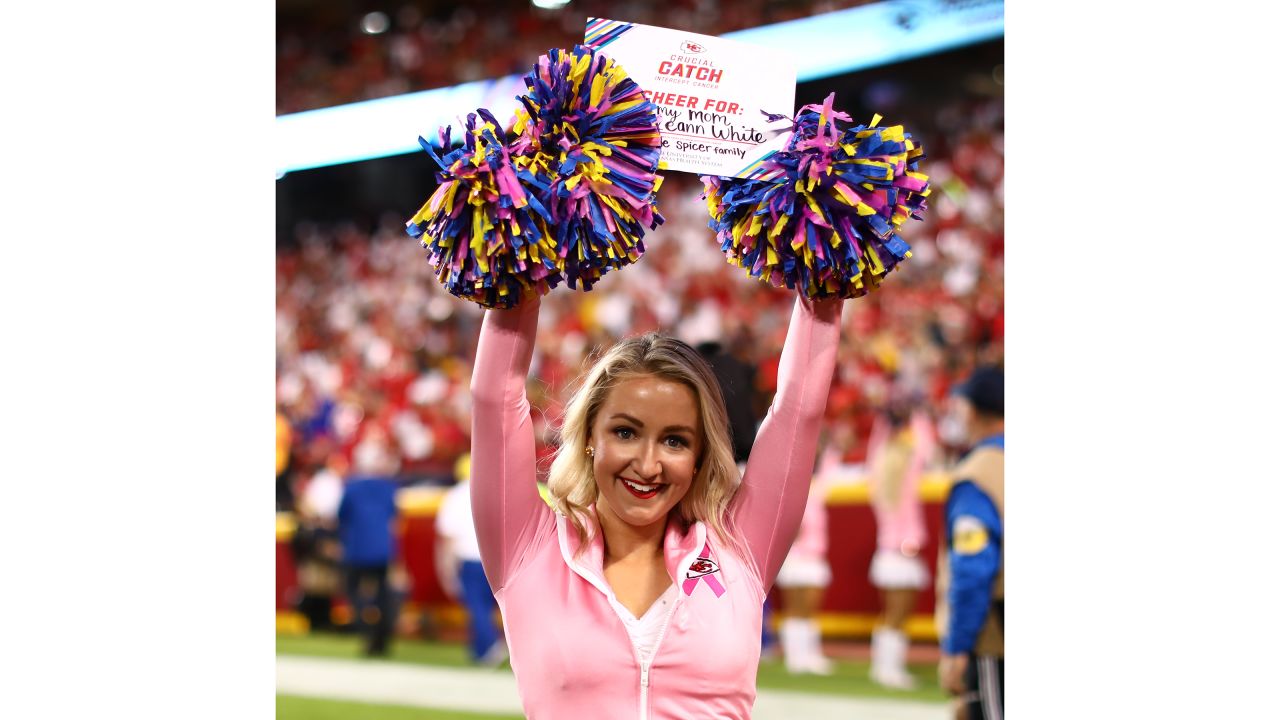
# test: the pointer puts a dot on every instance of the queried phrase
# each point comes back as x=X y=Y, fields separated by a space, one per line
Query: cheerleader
x=804 y=578
x=640 y=593
x=900 y=448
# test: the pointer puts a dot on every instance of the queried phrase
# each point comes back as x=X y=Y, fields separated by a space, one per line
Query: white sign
x=711 y=93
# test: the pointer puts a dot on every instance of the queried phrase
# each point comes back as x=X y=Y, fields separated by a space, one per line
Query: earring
x=591 y=451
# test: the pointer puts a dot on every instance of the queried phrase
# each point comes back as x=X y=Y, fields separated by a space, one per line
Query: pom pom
x=587 y=145
x=488 y=237
x=822 y=215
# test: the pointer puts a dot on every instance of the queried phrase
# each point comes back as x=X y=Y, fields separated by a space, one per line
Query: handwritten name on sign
x=711 y=93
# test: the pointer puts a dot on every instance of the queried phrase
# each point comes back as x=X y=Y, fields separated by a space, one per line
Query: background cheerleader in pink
x=901 y=447
x=804 y=578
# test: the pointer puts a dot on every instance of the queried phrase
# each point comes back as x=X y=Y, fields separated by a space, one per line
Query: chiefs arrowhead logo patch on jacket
x=704 y=568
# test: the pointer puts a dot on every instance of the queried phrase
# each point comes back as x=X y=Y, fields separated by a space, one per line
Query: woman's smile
x=642 y=491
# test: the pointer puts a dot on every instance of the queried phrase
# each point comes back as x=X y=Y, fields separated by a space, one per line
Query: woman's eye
x=624 y=433
x=676 y=441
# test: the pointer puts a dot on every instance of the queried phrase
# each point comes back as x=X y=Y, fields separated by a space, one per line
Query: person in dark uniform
x=737 y=382
x=971 y=569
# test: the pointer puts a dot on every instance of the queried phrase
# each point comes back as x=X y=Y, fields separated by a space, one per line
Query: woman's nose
x=648 y=462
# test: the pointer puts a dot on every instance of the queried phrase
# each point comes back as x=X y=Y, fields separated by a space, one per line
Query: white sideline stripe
x=378 y=681
x=789 y=705
x=398 y=684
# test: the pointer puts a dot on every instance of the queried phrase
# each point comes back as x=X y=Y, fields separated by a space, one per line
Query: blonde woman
x=640 y=593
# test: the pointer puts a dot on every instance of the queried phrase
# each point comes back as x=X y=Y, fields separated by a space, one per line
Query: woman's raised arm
x=504 y=495
x=769 y=504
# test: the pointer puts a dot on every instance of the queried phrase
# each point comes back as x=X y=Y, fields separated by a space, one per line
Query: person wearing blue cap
x=971 y=569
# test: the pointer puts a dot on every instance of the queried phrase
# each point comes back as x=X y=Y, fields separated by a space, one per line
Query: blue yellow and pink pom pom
x=823 y=216
x=587 y=140
x=488 y=238
x=564 y=194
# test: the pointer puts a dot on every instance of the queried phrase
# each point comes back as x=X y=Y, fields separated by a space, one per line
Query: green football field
x=300 y=708
x=850 y=680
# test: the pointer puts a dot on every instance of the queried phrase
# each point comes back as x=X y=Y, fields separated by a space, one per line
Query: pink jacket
x=902 y=522
x=571 y=653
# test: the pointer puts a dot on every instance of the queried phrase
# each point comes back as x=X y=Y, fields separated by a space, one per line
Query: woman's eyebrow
x=637 y=422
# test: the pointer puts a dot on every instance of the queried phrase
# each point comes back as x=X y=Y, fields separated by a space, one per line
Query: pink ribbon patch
x=703 y=569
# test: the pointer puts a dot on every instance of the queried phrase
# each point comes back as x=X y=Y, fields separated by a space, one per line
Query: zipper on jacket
x=644 y=691
x=645 y=663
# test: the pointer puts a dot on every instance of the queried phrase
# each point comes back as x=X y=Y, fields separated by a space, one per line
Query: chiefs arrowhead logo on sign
x=692 y=47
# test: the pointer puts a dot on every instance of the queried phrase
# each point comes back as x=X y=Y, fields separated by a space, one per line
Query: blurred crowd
x=344 y=55
x=367 y=341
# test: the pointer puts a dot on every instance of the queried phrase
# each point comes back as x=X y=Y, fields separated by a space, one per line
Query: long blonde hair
x=571 y=480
